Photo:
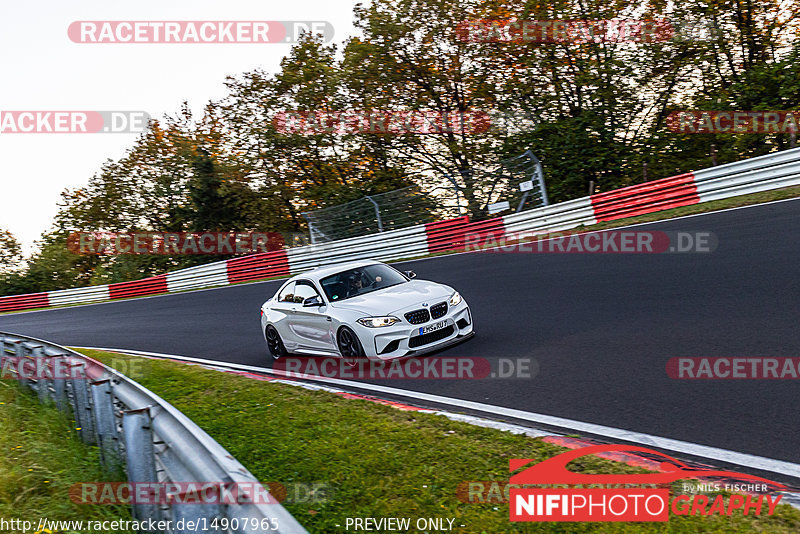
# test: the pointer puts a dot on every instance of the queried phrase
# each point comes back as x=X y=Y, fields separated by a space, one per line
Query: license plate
x=432 y=327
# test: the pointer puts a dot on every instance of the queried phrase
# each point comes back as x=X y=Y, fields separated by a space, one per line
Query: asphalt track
x=600 y=326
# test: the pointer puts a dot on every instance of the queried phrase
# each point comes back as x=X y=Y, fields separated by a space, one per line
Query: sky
x=43 y=70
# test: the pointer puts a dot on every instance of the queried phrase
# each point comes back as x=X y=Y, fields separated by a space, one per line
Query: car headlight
x=455 y=300
x=377 y=322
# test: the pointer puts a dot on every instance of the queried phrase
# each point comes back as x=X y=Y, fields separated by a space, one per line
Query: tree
x=10 y=252
x=408 y=58
x=303 y=171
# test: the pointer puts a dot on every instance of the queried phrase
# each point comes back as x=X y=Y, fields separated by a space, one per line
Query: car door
x=282 y=315
x=312 y=325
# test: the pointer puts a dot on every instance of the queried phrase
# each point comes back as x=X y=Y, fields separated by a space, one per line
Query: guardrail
x=664 y=194
x=155 y=442
x=771 y=171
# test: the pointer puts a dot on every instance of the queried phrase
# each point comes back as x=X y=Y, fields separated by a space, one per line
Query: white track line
x=685 y=447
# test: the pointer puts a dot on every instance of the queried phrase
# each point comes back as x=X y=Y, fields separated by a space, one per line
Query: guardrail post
x=176 y=471
x=20 y=353
x=137 y=430
x=377 y=212
x=61 y=363
x=83 y=410
x=3 y=355
x=42 y=379
x=105 y=423
x=199 y=514
x=539 y=173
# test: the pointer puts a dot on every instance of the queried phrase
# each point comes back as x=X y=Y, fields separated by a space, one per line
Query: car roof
x=322 y=272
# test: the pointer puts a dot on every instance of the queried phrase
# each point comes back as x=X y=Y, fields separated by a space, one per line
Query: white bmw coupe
x=363 y=309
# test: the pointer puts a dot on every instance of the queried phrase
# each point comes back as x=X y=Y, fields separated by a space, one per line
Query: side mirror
x=312 y=301
x=410 y=274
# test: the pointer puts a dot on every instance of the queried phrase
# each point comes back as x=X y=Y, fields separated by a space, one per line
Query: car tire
x=275 y=343
x=349 y=347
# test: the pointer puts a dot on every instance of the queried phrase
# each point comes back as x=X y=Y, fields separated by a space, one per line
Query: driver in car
x=354 y=284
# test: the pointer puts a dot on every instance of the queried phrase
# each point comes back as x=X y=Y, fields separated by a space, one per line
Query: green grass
x=378 y=461
x=41 y=457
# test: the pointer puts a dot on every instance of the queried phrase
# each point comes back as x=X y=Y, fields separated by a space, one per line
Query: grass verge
x=377 y=461
x=42 y=457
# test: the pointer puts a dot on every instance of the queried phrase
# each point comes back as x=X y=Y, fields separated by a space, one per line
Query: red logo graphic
x=619 y=504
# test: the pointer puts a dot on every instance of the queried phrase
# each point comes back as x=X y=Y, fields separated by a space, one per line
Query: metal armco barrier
x=456 y=234
x=644 y=198
x=136 y=429
x=24 y=302
x=257 y=266
x=772 y=171
x=763 y=173
x=147 y=286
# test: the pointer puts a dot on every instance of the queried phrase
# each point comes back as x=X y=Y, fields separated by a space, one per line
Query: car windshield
x=360 y=281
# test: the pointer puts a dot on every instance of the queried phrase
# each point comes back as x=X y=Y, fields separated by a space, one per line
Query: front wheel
x=275 y=343
x=350 y=347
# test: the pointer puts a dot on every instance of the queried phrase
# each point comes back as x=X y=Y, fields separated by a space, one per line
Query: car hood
x=391 y=299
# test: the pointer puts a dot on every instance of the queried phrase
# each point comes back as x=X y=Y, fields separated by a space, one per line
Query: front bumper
x=404 y=338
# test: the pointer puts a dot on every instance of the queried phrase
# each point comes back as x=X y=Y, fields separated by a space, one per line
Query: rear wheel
x=350 y=347
x=275 y=343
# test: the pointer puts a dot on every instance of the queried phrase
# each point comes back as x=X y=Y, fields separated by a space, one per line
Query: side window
x=287 y=293
x=304 y=290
